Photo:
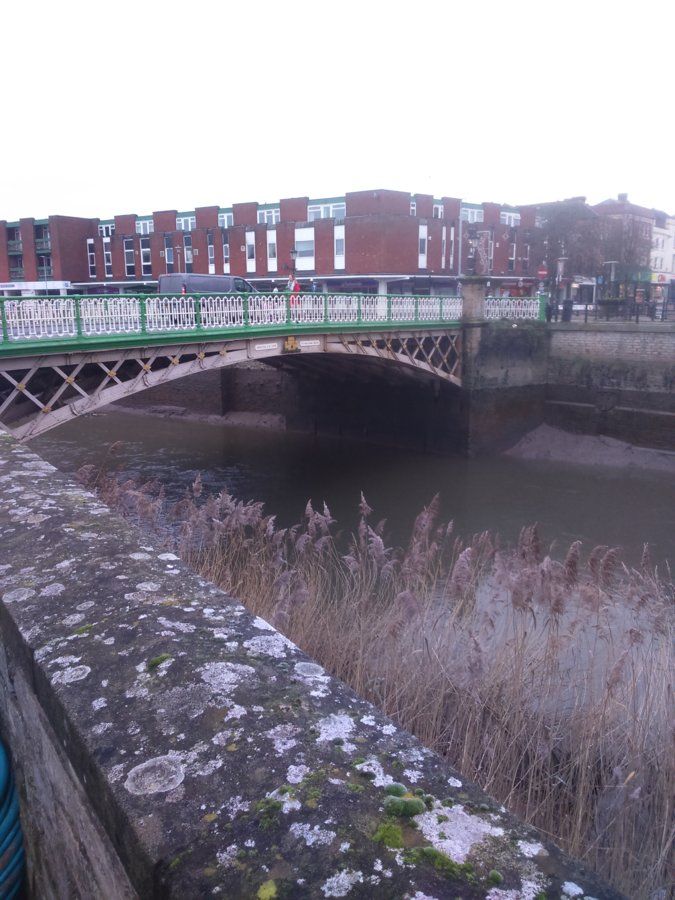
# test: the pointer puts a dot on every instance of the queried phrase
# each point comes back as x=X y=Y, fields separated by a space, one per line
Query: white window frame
x=107 y=230
x=438 y=211
x=471 y=215
x=169 y=258
x=305 y=244
x=129 y=249
x=413 y=207
x=211 y=253
x=188 y=255
x=509 y=218
x=225 y=220
x=107 y=257
x=250 y=251
x=145 y=226
x=326 y=211
x=186 y=223
x=269 y=216
x=272 y=250
x=339 y=238
x=91 y=257
x=422 y=246
x=512 y=256
x=146 y=256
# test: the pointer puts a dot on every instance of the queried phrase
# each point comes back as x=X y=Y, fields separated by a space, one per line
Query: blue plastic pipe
x=12 y=858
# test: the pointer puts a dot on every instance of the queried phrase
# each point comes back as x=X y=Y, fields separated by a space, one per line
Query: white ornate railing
x=68 y=319
x=512 y=308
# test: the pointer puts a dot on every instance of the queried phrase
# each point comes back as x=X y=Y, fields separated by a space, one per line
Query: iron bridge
x=67 y=356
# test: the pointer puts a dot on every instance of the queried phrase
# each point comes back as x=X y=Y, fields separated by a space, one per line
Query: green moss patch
x=389 y=834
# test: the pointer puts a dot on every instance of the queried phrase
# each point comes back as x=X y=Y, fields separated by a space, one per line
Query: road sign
x=542 y=272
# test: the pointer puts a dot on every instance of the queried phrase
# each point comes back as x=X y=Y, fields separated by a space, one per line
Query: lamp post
x=613 y=263
x=294 y=256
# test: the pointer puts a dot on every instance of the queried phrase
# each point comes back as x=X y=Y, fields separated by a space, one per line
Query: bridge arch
x=42 y=392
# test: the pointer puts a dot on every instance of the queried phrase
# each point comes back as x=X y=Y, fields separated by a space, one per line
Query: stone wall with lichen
x=169 y=744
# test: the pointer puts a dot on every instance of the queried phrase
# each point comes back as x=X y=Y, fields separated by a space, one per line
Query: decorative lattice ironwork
x=38 y=393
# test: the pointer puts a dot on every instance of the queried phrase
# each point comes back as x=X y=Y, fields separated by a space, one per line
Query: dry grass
x=547 y=683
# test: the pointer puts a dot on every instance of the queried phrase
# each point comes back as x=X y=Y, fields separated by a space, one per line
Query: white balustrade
x=226 y=311
x=39 y=318
x=110 y=315
x=170 y=313
x=511 y=307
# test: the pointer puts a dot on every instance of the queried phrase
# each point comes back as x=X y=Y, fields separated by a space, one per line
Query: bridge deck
x=48 y=325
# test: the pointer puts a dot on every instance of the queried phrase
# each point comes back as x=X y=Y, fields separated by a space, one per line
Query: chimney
x=623 y=198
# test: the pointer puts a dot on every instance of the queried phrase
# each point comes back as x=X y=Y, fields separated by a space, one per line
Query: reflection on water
x=598 y=506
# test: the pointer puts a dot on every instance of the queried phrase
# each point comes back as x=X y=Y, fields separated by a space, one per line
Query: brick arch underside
x=41 y=393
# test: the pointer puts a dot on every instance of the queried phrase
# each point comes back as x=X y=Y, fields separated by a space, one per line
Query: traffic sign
x=542 y=272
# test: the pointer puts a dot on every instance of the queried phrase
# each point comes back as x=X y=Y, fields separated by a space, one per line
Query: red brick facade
x=392 y=240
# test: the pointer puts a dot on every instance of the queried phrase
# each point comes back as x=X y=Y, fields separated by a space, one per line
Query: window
x=326 y=211
x=91 y=257
x=438 y=211
x=145 y=226
x=413 y=207
x=129 y=258
x=250 y=251
x=526 y=258
x=211 y=252
x=168 y=254
x=226 y=250
x=443 y=248
x=269 y=216
x=13 y=235
x=272 y=250
x=146 y=260
x=187 y=251
x=107 y=229
x=512 y=257
x=107 y=257
x=305 y=248
x=186 y=223
x=225 y=220
x=471 y=214
x=509 y=218
x=423 y=246
x=339 y=246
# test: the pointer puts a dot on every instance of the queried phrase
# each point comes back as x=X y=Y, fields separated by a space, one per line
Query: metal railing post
x=416 y=313
x=358 y=309
x=78 y=316
x=325 y=309
x=245 y=310
x=3 y=316
x=143 y=312
x=288 y=308
x=389 y=310
x=198 y=313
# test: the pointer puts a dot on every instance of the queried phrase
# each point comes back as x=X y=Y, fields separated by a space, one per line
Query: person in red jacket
x=293 y=287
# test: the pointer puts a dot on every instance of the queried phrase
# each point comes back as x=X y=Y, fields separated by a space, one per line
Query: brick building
x=373 y=241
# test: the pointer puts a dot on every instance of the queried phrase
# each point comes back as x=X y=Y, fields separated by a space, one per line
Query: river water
x=596 y=505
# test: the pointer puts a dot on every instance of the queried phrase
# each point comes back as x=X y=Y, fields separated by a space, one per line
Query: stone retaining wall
x=169 y=744
x=617 y=381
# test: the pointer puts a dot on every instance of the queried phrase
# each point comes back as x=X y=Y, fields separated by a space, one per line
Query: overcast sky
x=138 y=106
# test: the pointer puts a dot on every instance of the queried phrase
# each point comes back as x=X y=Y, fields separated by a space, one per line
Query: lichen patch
x=155 y=776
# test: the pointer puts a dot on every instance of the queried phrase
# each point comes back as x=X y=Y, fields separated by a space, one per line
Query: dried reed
x=546 y=683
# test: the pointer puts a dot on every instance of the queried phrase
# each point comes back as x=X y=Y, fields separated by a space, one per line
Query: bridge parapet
x=167 y=743
x=57 y=324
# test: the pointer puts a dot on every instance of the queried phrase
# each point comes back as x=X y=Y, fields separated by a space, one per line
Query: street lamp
x=294 y=256
x=612 y=272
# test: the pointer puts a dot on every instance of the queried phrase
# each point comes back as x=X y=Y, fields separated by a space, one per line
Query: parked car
x=188 y=283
